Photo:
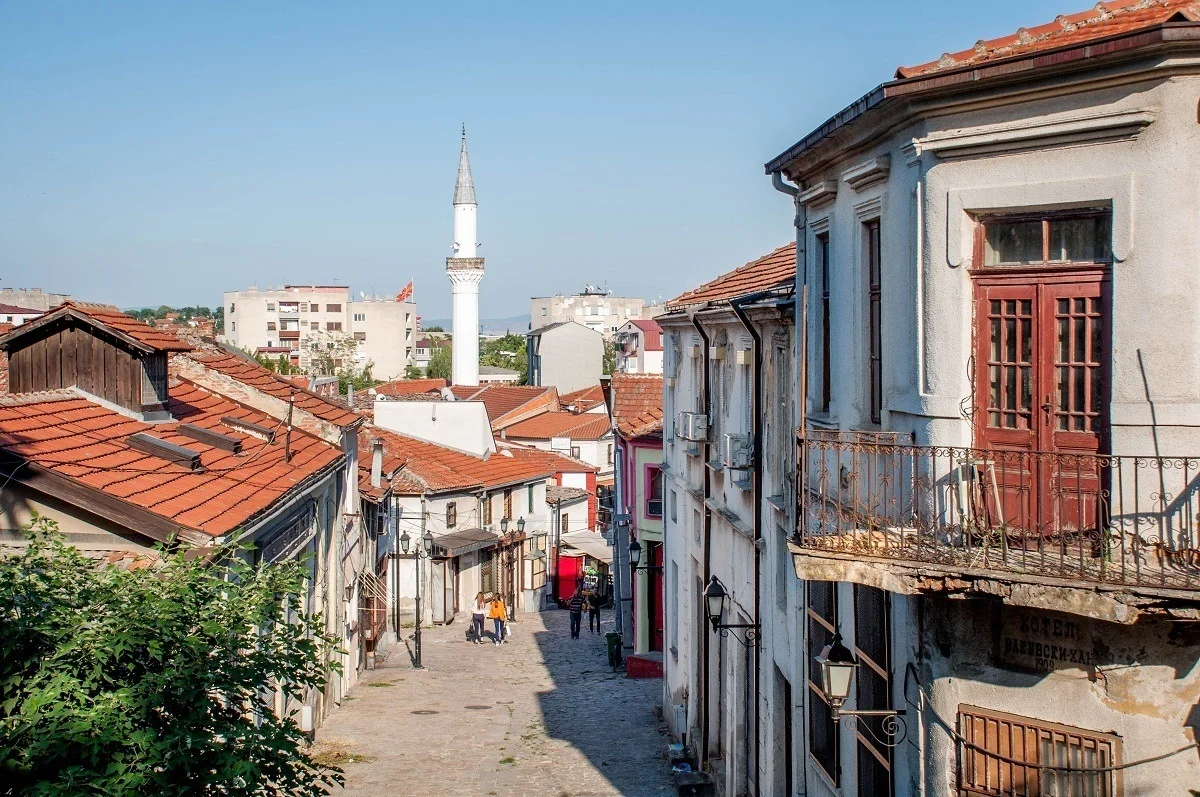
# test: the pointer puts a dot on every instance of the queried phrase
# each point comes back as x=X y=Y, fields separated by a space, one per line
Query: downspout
x=707 y=523
x=800 y=324
x=756 y=470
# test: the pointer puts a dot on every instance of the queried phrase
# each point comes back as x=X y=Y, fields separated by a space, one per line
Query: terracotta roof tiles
x=408 y=387
x=586 y=426
x=66 y=434
x=507 y=404
x=637 y=404
x=251 y=373
x=775 y=270
x=109 y=316
x=583 y=400
x=1101 y=21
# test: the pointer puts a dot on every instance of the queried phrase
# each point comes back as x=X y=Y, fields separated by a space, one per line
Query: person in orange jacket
x=499 y=615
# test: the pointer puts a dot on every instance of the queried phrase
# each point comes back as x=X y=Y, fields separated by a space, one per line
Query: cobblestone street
x=540 y=715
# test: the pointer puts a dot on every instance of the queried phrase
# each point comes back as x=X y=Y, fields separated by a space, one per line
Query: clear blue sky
x=161 y=152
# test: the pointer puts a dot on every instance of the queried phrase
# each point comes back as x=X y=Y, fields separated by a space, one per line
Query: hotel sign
x=1045 y=641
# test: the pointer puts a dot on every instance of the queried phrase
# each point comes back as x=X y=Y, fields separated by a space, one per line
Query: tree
x=505 y=352
x=610 y=357
x=440 y=364
x=154 y=679
x=434 y=328
x=413 y=372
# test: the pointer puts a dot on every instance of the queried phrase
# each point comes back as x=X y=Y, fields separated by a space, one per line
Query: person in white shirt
x=478 y=613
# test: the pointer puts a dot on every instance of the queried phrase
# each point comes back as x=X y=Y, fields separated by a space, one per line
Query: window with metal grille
x=822 y=625
x=508 y=504
x=451 y=515
x=1004 y=754
x=875 y=318
x=872 y=646
x=487 y=510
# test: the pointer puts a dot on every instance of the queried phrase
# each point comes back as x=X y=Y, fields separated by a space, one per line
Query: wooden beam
x=149 y=444
x=250 y=427
x=210 y=437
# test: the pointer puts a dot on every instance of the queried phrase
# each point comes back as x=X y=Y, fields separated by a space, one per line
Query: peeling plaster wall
x=1147 y=691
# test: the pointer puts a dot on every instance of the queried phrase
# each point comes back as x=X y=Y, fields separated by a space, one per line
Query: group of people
x=493 y=609
x=584 y=600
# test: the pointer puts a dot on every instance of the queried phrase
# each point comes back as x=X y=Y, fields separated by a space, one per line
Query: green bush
x=154 y=680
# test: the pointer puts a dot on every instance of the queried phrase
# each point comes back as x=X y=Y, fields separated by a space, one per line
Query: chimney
x=350 y=395
x=376 y=463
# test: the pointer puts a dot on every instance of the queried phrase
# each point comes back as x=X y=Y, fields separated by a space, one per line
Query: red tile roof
x=1101 y=21
x=109 y=316
x=249 y=372
x=391 y=475
x=637 y=404
x=408 y=387
x=12 y=309
x=583 y=400
x=507 y=404
x=551 y=460
x=651 y=333
x=775 y=270
x=586 y=426
x=74 y=438
x=433 y=468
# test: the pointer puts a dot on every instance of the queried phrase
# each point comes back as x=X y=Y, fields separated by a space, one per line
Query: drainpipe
x=707 y=523
x=756 y=471
x=801 y=326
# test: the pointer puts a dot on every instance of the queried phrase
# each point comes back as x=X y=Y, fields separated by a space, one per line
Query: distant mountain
x=518 y=324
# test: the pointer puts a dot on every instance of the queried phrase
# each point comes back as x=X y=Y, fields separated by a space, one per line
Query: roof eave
x=1045 y=62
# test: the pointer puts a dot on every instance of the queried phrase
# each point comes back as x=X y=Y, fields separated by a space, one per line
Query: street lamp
x=837 y=673
x=714 y=598
x=635 y=558
x=427 y=547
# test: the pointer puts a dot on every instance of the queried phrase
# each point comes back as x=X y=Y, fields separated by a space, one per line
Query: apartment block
x=301 y=321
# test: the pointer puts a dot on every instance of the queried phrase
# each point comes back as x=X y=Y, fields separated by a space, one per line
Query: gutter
x=756 y=470
x=707 y=536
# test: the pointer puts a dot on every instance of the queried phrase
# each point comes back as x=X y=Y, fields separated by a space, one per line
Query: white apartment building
x=727 y=454
x=639 y=348
x=299 y=320
x=595 y=308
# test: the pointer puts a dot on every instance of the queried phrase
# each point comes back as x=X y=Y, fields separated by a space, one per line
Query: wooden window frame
x=1045 y=217
x=1001 y=777
x=451 y=515
x=823 y=348
x=873 y=260
x=816 y=693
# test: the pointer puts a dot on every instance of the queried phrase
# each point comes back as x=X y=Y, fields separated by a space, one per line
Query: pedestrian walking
x=478 y=612
x=575 y=606
x=499 y=615
x=593 y=610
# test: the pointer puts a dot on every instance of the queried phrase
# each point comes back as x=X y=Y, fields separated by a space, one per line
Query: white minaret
x=465 y=271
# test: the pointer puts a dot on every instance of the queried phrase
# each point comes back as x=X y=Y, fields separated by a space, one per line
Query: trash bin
x=614 y=648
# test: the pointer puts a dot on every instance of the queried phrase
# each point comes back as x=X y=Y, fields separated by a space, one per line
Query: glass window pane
x=1086 y=239
x=1012 y=242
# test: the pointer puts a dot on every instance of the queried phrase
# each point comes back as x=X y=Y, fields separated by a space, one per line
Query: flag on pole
x=406 y=294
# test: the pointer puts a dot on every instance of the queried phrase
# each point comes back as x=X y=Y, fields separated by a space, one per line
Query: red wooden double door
x=1041 y=397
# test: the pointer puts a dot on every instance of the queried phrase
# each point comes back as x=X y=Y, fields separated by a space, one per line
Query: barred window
x=991 y=741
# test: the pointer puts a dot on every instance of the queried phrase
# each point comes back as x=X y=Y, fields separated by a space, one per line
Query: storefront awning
x=590 y=543
x=457 y=543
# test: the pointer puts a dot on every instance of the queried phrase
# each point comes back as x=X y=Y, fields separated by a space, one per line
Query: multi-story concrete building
x=32 y=298
x=639 y=348
x=304 y=321
x=566 y=355
x=595 y=308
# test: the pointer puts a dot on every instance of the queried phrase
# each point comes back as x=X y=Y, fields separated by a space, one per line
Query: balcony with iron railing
x=1102 y=522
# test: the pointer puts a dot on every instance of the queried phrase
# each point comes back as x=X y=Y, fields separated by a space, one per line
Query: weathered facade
x=996 y=470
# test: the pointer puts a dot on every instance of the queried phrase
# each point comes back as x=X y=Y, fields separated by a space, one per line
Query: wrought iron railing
x=1098 y=518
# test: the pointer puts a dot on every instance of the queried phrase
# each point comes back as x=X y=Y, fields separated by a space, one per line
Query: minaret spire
x=464 y=187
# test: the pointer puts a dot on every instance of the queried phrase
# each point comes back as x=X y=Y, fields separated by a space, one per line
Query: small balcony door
x=1042 y=353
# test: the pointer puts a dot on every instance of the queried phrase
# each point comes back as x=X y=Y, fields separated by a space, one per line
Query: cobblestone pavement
x=539 y=715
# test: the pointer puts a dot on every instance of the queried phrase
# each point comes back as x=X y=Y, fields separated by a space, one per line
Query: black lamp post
x=714 y=598
x=427 y=547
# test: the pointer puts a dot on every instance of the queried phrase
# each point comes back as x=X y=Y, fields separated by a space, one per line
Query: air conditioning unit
x=654 y=507
x=693 y=426
x=716 y=353
x=743 y=357
x=735 y=452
